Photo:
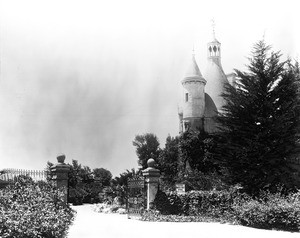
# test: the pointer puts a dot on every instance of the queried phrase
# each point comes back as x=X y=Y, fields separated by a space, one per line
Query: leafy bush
x=95 y=193
x=198 y=203
x=84 y=193
x=156 y=216
x=107 y=195
x=168 y=203
x=109 y=208
x=271 y=211
x=29 y=209
x=77 y=196
x=268 y=210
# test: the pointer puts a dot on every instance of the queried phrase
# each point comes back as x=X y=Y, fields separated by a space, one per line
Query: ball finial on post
x=60 y=175
x=151 y=163
x=151 y=175
x=61 y=158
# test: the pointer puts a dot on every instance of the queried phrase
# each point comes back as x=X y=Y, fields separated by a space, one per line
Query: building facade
x=201 y=97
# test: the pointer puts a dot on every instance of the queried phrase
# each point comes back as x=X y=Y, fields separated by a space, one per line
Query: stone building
x=201 y=99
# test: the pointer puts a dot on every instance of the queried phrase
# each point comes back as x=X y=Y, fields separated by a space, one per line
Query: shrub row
x=268 y=211
x=29 y=209
x=156 y=216
x=211 y=203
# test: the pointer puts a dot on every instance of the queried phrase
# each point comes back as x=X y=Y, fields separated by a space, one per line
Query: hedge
x=29 y=209
x=271 y=211
x=268 y=211
x=195 y=203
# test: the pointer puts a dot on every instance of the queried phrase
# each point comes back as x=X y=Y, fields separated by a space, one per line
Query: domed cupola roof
x=193 y=73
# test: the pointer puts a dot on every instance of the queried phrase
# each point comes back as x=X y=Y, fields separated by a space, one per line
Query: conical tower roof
x=193 y=72
x=193 y=69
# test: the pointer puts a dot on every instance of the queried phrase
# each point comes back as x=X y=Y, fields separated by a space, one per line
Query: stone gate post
x=151 y=175
x=60 y=175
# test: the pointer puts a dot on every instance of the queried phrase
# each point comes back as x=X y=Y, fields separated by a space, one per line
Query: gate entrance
x=136 y=197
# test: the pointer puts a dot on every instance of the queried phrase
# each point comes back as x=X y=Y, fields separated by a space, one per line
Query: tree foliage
x=259 y=123
x=147 y=146
x=119 y=184
x=48 y=170
x=188 y=158
x=195 y=152
x=122 y=179
x=78 y=173
x=104 y=176
x=168 y=160
x=85 y=184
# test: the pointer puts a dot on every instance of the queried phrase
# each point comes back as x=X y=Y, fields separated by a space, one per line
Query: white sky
x=84 y=77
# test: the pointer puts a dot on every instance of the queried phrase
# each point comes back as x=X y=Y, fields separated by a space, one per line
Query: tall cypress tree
x=259 y=123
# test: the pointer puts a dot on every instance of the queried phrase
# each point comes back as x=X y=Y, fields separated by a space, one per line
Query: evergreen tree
x=259 y=123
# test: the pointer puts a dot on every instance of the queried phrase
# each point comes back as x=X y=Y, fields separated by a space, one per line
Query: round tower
x=193 y=105
x=214 y=74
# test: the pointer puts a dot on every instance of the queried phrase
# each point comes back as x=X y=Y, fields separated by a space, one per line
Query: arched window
x=215 y=49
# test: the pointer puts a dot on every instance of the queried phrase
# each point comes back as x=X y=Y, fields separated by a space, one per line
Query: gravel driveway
x=89 y=224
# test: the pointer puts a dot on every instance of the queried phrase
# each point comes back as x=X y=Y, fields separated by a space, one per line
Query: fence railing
x=8 y=175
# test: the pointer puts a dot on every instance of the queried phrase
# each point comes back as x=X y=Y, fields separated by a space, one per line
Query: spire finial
x=193 y=51
x=213 y=24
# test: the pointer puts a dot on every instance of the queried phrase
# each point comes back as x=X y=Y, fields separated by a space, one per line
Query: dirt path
x=89 y=224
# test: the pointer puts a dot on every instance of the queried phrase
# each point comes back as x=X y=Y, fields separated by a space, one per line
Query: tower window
x=186 y=97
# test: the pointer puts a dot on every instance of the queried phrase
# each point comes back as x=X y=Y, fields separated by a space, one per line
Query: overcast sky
x=84 y=77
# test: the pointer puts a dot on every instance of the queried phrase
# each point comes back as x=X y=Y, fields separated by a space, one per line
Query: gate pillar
x=60 y=175
x=151 y=175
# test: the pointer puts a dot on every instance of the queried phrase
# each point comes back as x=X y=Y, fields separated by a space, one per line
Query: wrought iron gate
x=136 y=196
